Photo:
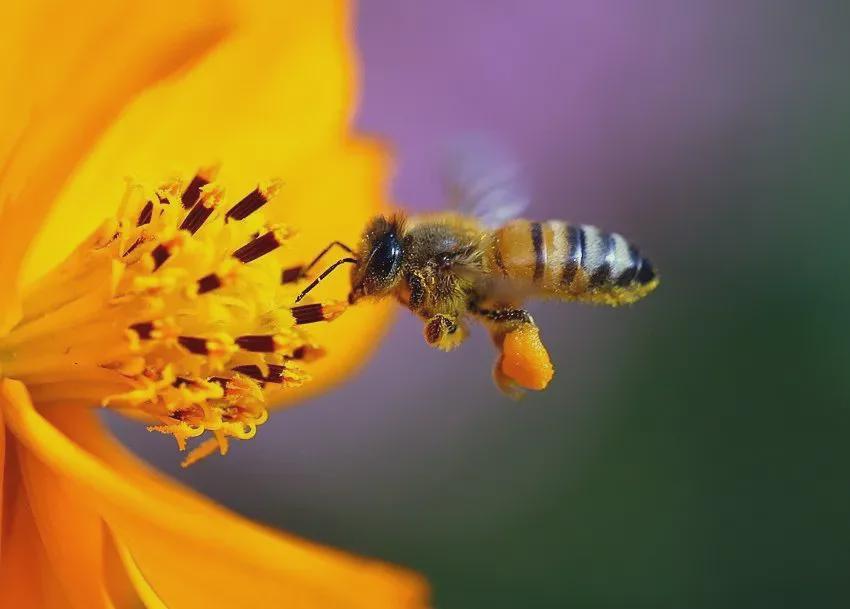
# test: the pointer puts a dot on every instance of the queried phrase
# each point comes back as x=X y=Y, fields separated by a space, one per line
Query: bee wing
x=483 y=179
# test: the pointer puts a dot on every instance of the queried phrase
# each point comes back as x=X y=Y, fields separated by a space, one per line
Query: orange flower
x=171 y=309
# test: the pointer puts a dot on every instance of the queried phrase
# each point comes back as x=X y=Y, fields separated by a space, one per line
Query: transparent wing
x=482 y=178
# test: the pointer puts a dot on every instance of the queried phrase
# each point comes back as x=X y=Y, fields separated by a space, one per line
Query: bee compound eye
x=385 y=258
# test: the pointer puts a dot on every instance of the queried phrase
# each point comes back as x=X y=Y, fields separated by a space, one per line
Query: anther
x=143 y=329
x=208 y=283
x=260 y=246
x=146 y=214
x=200 y=211
x=193 y=190
x=275 y=374
x=292 y=274
x=160 y=254
x=258 y=343
x=194 y=344
x=220 y=380
x=253 y=371
x=253 y=201
x=311 y=313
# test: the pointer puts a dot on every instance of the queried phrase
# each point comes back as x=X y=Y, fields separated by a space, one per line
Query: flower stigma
x=177 y=311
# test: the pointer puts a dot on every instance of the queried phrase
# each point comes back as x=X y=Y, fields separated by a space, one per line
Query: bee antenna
x=324 y=274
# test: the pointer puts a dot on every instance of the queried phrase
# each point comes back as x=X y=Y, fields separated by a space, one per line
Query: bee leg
x=417 y=291
x=523 y=360
x=505 y=319
x=444 y=332
x=296 y=273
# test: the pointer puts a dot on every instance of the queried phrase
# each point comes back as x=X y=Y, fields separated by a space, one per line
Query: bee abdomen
x=573 y=261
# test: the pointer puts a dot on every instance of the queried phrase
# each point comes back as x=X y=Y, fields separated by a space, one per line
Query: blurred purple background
x=597 y=98
x=623 y=114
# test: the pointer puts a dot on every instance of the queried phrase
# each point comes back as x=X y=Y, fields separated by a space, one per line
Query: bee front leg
x=523 y=361
x=444 y=332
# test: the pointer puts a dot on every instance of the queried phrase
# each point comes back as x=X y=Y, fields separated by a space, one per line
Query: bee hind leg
x=444 y=332
x=523 y=361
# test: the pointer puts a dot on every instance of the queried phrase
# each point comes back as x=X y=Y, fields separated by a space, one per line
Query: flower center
x=178 y=310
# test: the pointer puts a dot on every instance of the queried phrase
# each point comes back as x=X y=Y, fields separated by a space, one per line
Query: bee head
x=380 y=256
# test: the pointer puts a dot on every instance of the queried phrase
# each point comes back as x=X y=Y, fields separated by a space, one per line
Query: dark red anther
x=258 y=247
x=275 y=373
x=250 y=370
x=308 y=314
x=160 y=254
x=258 y=343
x=143 y=329
x=193 y=191
x=146 y=214
x=253 y=201
x=292 y=274
x=220 y=380
x=208 y=283
x=196 y=217
x=194 y=344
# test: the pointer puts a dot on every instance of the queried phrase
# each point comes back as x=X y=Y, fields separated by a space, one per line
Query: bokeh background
x=692 y=451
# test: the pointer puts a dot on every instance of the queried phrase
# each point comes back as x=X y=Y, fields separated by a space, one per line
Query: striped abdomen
x=572 y=261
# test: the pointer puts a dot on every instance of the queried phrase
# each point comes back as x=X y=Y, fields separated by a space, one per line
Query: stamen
x=251 y=370
x=275 y=374
x=259 y=343
x=160 y=254
x=193 y=190
x=260 y=246
x=219 y=380
x=143 y=329
x=194 y=344
x=311 y=313
x=292 y=274
x=201 y=211
x=208 y=283
x=146 y=214
x=253 y=201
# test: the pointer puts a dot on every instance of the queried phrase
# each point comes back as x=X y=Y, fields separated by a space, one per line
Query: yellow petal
x=70 y=532
x=273 y=101
x=26 y=579
x=69 y=68
x=2 y=475
x=191 y=552
x=146 y=594
x=263 y=104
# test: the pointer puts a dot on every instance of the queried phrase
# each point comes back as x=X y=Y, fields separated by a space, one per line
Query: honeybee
x=454 y=266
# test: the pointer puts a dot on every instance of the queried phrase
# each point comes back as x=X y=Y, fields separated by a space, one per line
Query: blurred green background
x=692 y=450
